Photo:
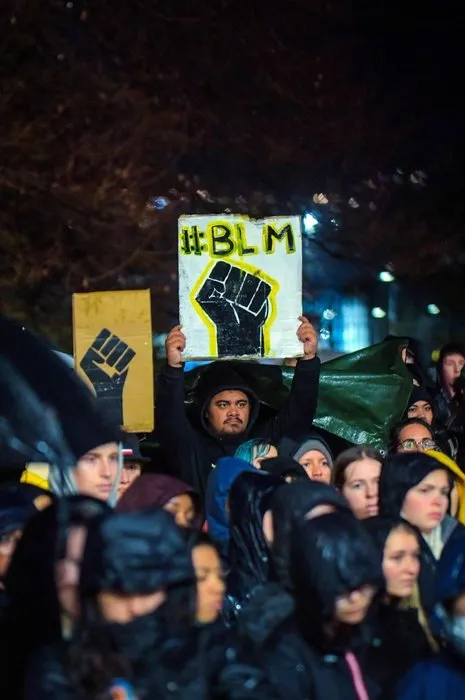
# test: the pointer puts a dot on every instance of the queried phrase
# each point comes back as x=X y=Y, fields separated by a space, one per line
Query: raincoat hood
x=284 y=466
x=150 y=490
x=249 y=556
x=399 y=474
x=459 y=480
x=449 y=584
x=133 y=553
x=219 y=484
x=289 y=506
x=330 y=556
x=297 y=448
x=15 y=511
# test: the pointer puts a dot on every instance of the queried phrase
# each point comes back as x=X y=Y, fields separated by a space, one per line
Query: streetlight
x=310 y=222
x=386 y=276
x=378 y=312
x=433 y=310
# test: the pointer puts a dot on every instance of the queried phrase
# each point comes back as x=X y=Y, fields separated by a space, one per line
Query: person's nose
x=181 y=519
x=233 y=411
x=105 y=468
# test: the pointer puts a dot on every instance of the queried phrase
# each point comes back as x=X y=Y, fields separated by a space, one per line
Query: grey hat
x=314 y=444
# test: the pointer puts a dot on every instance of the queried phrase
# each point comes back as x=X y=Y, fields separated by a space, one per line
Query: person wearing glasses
x=412 y=435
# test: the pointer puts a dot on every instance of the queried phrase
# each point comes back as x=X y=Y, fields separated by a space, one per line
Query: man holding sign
x=240 y=295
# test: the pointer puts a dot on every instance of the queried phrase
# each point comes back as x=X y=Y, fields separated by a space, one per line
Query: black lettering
x=222 y=241
x=243 y=247
x=271 y=235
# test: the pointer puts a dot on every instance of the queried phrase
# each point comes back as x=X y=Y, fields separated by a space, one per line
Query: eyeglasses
x=425 y=444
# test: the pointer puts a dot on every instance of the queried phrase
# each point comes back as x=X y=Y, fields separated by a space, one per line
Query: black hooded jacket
x=249 y=555
x=330 y=555
x=193 y=449
x=162 y=654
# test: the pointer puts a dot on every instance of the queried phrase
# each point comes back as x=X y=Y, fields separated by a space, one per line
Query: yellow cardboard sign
x=113 y=353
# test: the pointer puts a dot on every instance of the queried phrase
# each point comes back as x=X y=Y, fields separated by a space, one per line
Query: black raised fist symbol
x=106 y=364
x=237 y=303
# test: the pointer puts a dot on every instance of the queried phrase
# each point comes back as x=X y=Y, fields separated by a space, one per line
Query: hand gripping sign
x=240 y=286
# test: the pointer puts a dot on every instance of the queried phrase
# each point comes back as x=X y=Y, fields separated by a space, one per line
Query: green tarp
x=361 y=395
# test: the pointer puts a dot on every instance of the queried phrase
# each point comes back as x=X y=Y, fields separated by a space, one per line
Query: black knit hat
x=284 y=466
x=135 y=553
x=400 y=473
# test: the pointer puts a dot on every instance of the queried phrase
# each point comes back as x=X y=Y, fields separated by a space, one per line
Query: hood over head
x=297 y=449
x=420 y=394
x=400 y=473
x=150 y=490
x=135 y=553
x=289 y=506
x=283 y=467
x=15 y=511
x=249 y=499
x=219 y=483
x=330 y=556
x=30 y=581
x=449 y=585
x=223 y=376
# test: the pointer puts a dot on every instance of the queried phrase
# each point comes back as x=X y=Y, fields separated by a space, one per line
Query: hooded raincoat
x=399 y=474
x=190 y=445
x=219 y=484
x=160 y=654
x=249 y=555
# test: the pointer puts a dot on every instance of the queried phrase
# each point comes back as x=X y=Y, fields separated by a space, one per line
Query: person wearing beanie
x=96 y=474
x=313 y=454
x=417 y=487
x=420 y=405
x=133 y=461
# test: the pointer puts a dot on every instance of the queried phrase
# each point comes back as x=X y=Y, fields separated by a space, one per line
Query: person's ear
x=268 y=528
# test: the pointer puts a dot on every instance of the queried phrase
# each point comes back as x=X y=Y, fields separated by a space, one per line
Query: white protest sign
x=240 y=286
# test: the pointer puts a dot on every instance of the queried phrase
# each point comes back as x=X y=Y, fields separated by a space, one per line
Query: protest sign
x=240 y=286
x=113 y=353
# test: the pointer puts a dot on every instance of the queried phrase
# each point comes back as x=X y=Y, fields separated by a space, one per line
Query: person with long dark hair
x=402 y=633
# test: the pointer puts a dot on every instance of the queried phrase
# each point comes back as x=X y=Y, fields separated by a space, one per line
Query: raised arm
x=296 y=418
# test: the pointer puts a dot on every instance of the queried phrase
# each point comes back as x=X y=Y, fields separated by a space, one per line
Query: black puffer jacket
x=192 y=449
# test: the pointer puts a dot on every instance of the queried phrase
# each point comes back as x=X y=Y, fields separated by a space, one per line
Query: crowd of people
x=247 y=559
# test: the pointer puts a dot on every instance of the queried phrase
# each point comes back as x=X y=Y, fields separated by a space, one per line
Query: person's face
x=425 y=505
x=421 y=409
x=228 y=412
x=361 y=487
x=68 y=570
x=352 y=607
x=316 y=465
x=415 y=438
x=452 y=366
x=272 y=452
x=458 y=606
x=129 y=473
x=8 y=544
x=122 y=609
x=183 y=509
x=401 y=563
x=96 y=472
x=210 y=583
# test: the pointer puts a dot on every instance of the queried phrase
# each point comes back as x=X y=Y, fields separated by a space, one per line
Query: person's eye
x=325 y=463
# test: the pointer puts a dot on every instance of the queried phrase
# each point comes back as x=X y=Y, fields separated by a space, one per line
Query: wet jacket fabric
x=192 y=448
x=219 y=484
x=290 y=504
x=249 y=555
x=195 y=664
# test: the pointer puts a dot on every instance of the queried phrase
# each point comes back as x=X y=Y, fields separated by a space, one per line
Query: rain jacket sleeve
x=46 y=678
x=296 y=417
